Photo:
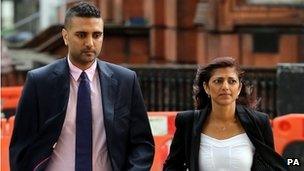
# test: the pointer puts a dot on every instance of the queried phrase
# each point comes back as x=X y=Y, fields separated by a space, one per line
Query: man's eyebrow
x=87 y=32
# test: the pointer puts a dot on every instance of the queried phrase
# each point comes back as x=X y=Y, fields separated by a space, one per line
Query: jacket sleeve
x=141 y=149
x=25 y=126
x=176 y=159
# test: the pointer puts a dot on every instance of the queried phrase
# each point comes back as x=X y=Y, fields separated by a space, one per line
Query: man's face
x=84 y=37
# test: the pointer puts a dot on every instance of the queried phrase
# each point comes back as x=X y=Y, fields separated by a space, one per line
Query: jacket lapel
x=51 y=127
x=108 y=87
x=249 y=124
x=255 y=135
x=60 y=90
x=199 y=118
x=61 y=82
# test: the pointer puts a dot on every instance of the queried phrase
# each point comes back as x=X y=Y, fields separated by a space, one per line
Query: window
x=265 y=43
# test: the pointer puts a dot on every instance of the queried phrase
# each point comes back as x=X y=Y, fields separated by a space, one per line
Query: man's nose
x=89 y=41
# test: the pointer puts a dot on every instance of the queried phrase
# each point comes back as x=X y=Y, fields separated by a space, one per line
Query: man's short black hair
x=81 y=9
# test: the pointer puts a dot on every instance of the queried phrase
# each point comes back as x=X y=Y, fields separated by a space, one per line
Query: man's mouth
x=88 y=52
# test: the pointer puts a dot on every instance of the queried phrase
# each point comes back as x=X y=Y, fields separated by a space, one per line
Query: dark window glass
x=265 y=43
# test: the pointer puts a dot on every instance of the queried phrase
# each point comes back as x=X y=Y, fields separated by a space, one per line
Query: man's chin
x=89 y=58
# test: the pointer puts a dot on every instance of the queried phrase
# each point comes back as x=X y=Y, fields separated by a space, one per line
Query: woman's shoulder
x=185 y=116
x=258 y=115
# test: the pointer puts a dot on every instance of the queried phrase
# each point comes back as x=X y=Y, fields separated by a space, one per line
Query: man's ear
x=206 y=88
x=65 y=36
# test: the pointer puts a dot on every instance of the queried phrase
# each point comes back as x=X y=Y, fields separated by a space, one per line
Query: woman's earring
x=209 y=96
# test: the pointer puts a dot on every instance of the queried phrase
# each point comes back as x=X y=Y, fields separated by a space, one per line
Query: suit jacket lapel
x=108 y=87
x=59 y=91
x=199 y=119
x=248 y=123
x=61 y=81
x=254 y=133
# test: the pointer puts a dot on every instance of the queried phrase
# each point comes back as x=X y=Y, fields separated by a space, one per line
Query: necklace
x=226 y=126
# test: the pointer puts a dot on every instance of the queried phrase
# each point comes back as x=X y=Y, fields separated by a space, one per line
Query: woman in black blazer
x=224 y=133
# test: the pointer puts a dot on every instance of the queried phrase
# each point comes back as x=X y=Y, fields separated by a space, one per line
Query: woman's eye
x=232 y=81
x=218 y=81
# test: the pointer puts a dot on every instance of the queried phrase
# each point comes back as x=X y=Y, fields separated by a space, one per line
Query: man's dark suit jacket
x=184 y=149
x=42 y=109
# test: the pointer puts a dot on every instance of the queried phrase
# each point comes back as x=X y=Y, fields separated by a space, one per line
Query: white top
x=63 y=157
x=232 y=154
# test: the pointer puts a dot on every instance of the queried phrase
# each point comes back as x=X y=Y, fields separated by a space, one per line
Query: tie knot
x=83 y=76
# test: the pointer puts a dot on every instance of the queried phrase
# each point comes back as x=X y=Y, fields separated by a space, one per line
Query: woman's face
x=224 y=86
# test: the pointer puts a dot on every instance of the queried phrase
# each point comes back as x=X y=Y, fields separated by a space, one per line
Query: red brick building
x=193 y=31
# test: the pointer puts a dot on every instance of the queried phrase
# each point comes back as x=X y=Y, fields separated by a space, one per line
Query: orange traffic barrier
x=6 y=133
x=10 y=97
x=287 y=129
x=163 y=128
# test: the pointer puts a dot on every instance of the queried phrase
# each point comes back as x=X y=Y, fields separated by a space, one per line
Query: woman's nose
x=225 y=85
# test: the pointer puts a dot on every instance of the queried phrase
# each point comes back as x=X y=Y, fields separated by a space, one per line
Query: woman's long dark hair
x=203 y=74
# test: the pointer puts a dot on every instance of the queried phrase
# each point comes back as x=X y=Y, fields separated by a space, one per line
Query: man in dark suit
x=80 y=113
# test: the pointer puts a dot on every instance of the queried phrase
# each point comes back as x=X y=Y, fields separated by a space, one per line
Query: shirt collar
x=76 y=72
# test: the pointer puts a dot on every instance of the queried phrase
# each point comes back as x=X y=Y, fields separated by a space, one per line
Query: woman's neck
x=223 y=113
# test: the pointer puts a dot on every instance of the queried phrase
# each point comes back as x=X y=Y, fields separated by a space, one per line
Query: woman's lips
x=224 y=94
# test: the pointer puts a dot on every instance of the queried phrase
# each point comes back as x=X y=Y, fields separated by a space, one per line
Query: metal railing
x=169 y=87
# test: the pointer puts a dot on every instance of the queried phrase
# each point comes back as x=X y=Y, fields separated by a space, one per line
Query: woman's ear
x=240 y=88
x=206 y=88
